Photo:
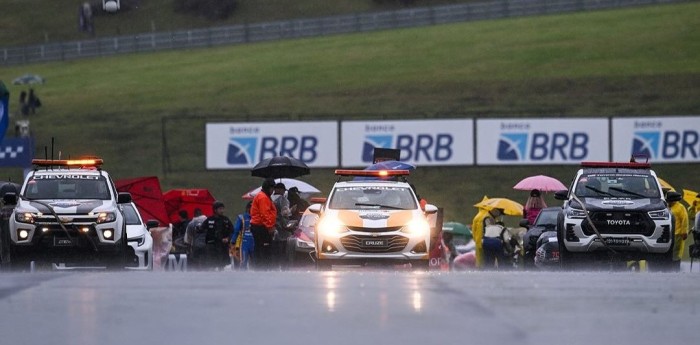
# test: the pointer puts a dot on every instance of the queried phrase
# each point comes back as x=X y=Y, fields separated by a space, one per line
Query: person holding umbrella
x=263 y=217
x=534 y=204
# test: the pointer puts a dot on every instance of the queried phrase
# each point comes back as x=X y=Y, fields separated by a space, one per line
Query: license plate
x=62 y=242
x=374 y=243
x=614 y=241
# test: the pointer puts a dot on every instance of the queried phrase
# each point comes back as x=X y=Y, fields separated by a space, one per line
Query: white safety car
x=138 y=237
x=67 y=213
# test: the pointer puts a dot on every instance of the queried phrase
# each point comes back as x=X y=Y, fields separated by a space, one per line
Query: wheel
x=122 y=257
x=291 y=251
x=661 y=262
x=420 y=265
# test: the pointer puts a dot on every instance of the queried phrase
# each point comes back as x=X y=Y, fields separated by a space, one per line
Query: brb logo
x=247 y=150
x=414 y=147
x=669 y=144
x=526 y=146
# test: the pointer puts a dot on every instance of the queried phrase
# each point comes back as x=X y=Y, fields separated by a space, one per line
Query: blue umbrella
x=385 y=165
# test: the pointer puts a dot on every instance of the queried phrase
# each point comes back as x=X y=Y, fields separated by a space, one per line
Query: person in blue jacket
x=242 y=238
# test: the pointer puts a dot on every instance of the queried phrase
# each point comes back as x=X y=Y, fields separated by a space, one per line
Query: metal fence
x=260 y=32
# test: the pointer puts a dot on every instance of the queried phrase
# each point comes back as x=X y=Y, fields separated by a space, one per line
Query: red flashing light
x=318 y=200
x=68 y=162
x=632 y=165
x=373 y=173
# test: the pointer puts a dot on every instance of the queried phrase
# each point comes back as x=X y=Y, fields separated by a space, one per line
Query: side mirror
x=524 y=223
x=430 y=209
x=315 y=208
x=561 y=194
x=123 y=198
x=10 y=198
x=151 y=223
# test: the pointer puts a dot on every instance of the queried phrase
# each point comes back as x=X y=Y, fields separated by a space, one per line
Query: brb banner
x=662 y=139
x=422 y=142
x=242 y=145
x=541 y=141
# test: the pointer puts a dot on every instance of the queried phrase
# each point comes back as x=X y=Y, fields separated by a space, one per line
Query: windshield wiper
x=628 y=192
x=379 y=205
x=598 y=190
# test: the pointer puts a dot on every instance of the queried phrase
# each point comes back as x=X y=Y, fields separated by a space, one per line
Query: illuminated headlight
x=139 y=240
x=417 y=226
x=108 y=234
x=576 y=213
x=23 y=234
x=106 y=217
x=25 y=217
x=331 y=226
x=660 y=214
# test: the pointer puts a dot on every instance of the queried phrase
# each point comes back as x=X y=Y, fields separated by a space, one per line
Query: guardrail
x=291 y=29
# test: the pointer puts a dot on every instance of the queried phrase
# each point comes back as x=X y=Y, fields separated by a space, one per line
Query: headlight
x=25 y=217
x=417 y=226
x=660 y=214
x=575 y=213
x=305 y=245
x=106 y=217
x=330 y=226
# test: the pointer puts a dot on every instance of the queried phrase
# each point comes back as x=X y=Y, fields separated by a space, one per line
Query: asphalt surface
x=349 y=307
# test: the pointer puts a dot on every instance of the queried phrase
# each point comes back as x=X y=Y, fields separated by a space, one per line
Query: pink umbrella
x=541 y=182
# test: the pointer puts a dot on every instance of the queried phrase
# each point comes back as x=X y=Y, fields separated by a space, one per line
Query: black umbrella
x=281 y=166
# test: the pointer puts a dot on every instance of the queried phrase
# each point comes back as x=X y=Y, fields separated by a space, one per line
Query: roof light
x=615 y=165
x=374 y=173
x=68 y=162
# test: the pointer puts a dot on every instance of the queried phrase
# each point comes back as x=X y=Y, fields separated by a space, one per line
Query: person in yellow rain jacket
x=680 y=215
x=481 y=220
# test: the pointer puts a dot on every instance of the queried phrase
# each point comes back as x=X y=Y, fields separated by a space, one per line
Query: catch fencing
x=293 y=29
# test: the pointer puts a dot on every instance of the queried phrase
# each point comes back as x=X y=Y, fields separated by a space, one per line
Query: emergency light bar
x=632 y=165
x=372 y=173
x=67 y=162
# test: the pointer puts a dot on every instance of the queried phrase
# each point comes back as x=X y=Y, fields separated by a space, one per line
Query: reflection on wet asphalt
x=347 y=307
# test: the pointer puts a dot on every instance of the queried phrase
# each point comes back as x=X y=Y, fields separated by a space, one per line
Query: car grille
x=363 y=229
x=355 y=243
x=619 y=222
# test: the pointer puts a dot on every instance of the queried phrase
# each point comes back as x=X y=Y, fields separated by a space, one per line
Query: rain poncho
x=478 y=234
x=680 y=214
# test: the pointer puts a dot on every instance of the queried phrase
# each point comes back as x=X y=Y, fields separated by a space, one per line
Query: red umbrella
x=188 y=200
x=148 y=197
x=541 y=182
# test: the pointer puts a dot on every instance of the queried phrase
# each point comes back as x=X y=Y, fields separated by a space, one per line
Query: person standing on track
x=263 y=216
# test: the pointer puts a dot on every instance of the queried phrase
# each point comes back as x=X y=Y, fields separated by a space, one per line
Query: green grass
x=641 y=61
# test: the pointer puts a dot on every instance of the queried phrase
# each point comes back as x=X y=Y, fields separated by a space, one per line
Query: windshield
x=69 y=186
x=547 y=217
x=399 y=198
x=635 y=186
x=130 y=215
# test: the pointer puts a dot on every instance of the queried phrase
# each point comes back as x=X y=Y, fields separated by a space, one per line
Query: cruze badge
x=374 y=216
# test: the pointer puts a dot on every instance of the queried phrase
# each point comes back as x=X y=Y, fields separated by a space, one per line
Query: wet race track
x=349 y=307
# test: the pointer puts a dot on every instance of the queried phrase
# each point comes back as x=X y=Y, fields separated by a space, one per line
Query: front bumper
x=143 y=248
x=575 y=240
x=354 y=247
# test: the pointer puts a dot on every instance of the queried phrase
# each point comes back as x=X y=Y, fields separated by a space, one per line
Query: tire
x=662 y=262
x=291 y=252
x=120 y=259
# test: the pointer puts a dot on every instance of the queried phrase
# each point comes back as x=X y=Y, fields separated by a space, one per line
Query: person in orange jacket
x=263 y=216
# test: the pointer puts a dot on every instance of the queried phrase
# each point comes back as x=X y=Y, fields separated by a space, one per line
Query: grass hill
x=639 y=61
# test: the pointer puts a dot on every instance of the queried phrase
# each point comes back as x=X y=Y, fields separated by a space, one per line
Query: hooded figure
x=680 y=216
x=481 y=220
